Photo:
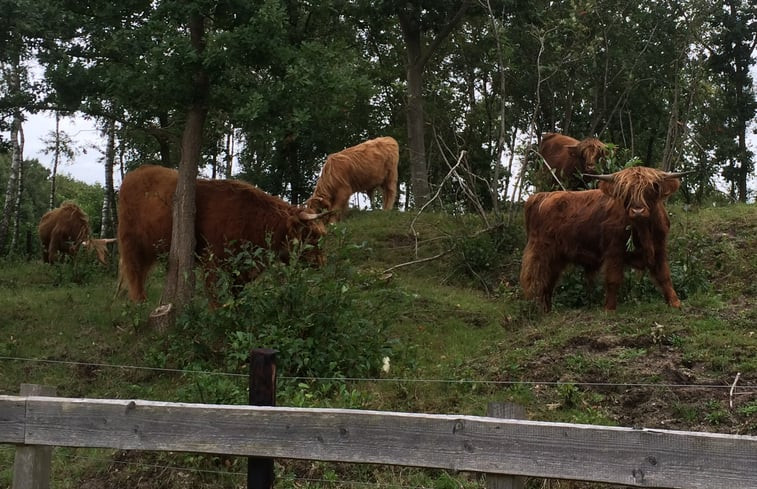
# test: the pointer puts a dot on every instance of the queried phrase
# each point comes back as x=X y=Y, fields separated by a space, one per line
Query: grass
x=462 y=337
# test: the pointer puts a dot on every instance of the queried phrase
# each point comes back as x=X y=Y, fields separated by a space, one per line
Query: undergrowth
x=416 y=313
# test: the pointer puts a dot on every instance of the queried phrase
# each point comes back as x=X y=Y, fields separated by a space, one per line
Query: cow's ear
x=607 y=187
x=669 y=186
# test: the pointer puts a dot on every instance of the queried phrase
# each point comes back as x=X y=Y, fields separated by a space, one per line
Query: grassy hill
x=438 y=295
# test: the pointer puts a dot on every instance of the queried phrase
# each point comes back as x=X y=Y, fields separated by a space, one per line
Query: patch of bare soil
x=656 y=389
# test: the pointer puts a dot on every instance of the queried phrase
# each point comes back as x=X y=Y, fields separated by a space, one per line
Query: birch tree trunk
x=18 y=157
x=56 y=161
x=17 y=148
x=107 y=229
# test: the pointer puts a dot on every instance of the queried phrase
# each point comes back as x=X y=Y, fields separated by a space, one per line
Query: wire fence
x=73 y=455
x=112 y=460
x=735 y=385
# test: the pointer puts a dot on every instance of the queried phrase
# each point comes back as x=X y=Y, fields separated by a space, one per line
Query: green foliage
x=484 y=256
x=452 y=348
x=329 y=323
x=715 y=414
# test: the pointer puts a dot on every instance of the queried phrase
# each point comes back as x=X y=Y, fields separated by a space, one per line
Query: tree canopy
x=277 y=85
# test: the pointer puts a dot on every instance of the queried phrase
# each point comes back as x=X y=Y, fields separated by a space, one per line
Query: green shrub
x=329 y=323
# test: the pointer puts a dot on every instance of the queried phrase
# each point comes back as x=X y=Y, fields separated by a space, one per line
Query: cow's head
x=590 y=151
x=639 y=188
x=99 y=247
x=305 y=229
x=318 y=204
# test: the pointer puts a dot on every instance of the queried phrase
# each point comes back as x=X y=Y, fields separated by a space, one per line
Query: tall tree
x=61 y=147
x=418 y=20
x=180 y=280
x=108 y=210
x=13 y=189
x=732 y=43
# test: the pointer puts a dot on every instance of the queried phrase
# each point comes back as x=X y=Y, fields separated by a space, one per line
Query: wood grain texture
x=32 y=464
x=635 y=457
x=12 y=419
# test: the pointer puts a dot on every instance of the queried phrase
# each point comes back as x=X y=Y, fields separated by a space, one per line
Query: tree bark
x=17 y=148
x=56 y=161
x=107 y=227
x=18 y=155
x=417 y=58
x=179 y=286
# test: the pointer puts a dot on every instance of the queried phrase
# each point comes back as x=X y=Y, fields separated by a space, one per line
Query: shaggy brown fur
x=229 y=213
x=361 y=168
x=64 y=230
x=592 y=228
x=570 y=158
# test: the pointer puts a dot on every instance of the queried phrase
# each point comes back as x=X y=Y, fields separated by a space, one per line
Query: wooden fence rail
x=634 y=457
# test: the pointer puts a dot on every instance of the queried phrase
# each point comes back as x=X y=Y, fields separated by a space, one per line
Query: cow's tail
x=530 y=273
x=538 y=272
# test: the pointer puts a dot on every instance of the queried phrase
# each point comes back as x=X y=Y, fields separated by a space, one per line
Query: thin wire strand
x=744 y=387
x=143 y=465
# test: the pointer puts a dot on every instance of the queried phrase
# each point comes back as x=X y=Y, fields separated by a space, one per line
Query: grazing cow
x=361 y=168
x=64 y=230
x=570 y=159
x=229 y=214
x=624 y=222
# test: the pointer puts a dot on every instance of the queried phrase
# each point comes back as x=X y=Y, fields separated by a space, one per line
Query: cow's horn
x=678 y=174
x=310 y=216
x=604 y=178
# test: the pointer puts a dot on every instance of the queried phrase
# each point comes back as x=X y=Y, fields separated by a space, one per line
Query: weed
x=749 y=409
x=716 y=414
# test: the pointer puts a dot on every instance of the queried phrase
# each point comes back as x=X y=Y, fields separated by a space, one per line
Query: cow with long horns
x=622 y=223
x=64 y=230
x=230 y=214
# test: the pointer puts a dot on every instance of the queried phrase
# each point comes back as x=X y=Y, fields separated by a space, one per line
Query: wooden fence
x=628 y=456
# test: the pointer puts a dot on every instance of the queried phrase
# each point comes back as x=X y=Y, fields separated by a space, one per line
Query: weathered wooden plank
x=507 y=411
x=636 y=457
x=32 y=465
x=12 y=414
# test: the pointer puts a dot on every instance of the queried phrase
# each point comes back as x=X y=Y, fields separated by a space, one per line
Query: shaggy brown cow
x=595 y=228
x=64 y=230
x=229 y=213
x=361 y=168
x=570 y=158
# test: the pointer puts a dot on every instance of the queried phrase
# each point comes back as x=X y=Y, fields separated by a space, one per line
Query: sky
x=88 y=142
x=90 y=145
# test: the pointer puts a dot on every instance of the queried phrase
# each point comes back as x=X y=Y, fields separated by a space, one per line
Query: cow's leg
x=341 y=200
x=134 y=269
x=389 y=192
x=52 y=251
x=613 y=281
x=661 y=275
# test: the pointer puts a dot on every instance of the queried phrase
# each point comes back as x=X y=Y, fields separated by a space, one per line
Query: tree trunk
x=229 y=153
x=415 y=120
x=56 y=161
x=18 y=154
x=417 y=58
x=17 y=148
x=107 y=228
x=179 y=286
